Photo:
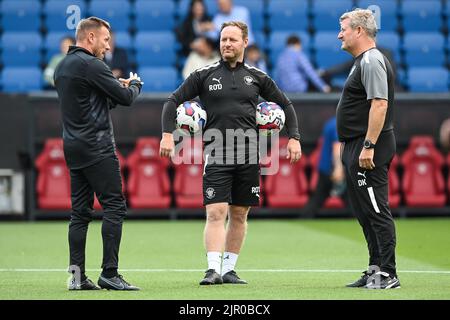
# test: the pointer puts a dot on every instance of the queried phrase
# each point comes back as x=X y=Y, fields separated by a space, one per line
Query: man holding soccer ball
x=229 y=90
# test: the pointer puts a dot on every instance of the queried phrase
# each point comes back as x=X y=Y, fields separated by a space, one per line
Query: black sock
x=109 y=273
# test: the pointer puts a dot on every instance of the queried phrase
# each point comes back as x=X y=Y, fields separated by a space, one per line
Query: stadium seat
x=116 y=12
x=56 y=16
x=388 y=20
x=155 y=15
x=21 y=15
x=428 y=79
x=188 y=182
x=448 y=179
x=164 y=79
x=424 y=49
x=21 y=80
x=423 y=182
x=326 y=14
x=256 y=10
x=148 y=181
x=157 y=49
x=52 y=43
x=391 y=41
x=288 y=15
x=328 y=50
x=394 y=184
x=277 y=43
x=21 y=49
x=314 y=158
x=288 y=188
x=53 y=177
x=97 y=205
x=183 y=8
x=421 y=15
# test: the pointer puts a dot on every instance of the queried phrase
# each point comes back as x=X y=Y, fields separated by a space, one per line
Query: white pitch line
x=240 y=270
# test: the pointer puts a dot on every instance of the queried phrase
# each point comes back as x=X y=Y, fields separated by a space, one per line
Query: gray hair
x=362 y=18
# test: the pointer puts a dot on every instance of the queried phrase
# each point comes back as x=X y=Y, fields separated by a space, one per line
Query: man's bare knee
x=216 y=213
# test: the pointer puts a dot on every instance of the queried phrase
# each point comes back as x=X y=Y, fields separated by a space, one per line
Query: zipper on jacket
x=234 y=81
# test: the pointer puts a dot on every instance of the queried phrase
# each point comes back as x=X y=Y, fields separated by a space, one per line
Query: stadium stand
x=116 y=12
x=423 y=182
x=55 y=13
x=21 y=15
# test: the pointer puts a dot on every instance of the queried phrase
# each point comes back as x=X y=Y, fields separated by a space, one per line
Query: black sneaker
x=84 y=285
x=385 y=281
x=115 y=283
x=232 y=277
x=211 y=277
x=361 y=282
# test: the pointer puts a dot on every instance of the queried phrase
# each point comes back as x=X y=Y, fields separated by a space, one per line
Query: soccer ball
x=191 y=117
x=270 y=118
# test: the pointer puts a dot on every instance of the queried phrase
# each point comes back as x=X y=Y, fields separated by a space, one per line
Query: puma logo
x=218 y=80
x=362 y=174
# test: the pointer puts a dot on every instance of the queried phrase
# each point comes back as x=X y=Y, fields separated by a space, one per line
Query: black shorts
x=235 y=184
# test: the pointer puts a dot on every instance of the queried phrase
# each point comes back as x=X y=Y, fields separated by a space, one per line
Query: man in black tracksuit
x=229 y=90
x=87 y=90
x=365 y=125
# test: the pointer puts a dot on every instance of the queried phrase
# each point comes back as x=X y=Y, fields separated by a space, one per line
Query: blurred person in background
x=117 y=59
x=254 y=57
x=196 y=24
x=293 y=69
x=202 y=54
x=65 y=43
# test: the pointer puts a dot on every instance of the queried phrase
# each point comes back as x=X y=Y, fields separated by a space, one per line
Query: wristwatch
x=368 y=144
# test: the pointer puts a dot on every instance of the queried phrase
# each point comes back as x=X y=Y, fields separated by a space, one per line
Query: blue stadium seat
x=260 y=39
x=21 y=15
x=116 y=12
x=21 y=48
x=428 y=79
x=163 y=79
x=256 y=9
x=288 y=15
x=326 y=13
x=277 y=43
x=123 y=40
x=421 y=15
x=328 y=50
x=390 y=40
x=56 y=16
x=52 y=43
x=424 y=49
x=21 y=79
x=388 y=9
x=183 y=8
x=155 y=49
x=157 y=15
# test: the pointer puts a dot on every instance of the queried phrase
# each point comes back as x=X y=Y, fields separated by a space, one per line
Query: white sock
x=229 y=261
x=214 y=260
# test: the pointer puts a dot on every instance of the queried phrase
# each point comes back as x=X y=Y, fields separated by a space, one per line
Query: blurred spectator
x=254 y=57
x=293 y=69
x=343 y=69
x=229 y=12
x=202 y=54
x=444 y=134
x=331 y=171
x=197 y=23
x=117 y=59
x=50 y=69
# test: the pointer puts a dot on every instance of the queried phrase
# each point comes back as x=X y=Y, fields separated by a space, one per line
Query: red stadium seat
x=394 y=184
x=423 y=182
x=53 y=180
x=188 y=184
x=148 y=181
x=448 y=180
x=333 y=202
x=288 y=188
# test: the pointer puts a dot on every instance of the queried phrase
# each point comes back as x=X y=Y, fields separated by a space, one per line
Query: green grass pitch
x=281 y=259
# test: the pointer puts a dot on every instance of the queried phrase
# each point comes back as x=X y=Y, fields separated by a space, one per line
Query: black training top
x=370 y=77
x=87 y=90
x=229 y=96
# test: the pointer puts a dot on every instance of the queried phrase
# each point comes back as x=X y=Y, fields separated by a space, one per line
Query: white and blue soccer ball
x=270 y=118
x=191 y=117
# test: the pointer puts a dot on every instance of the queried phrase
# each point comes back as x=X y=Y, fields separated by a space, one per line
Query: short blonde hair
x=362 y=18
x=89 y=24
x=239 y=24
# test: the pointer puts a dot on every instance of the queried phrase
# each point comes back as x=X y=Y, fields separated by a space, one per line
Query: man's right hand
x=167 y=145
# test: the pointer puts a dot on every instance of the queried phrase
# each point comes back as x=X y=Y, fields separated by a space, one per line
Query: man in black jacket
x=229 y=90
x=87 y=90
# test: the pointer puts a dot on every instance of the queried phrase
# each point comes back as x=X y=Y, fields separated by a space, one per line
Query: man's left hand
x=366 y=159
x=294 y=150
